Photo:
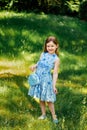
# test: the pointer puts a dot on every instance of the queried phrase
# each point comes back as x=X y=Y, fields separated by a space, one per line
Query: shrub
x=72 y=7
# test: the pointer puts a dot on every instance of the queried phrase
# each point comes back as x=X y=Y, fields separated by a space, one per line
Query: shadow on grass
x=27 y=32
x=71 y=108
x=66 y=74
x=34 y=105
x=19 y=104
x=19 y=80
x=77 y=77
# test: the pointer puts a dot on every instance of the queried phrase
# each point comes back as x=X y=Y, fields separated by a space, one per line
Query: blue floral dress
x=44 y=91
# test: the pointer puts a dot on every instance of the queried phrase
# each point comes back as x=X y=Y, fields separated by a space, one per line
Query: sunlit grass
x=17 y=66
x=13 y=67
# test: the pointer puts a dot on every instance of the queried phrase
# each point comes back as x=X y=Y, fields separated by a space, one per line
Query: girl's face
x=51 y=47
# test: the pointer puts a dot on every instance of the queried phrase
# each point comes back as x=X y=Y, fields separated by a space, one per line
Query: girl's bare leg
x=52 y=109
x=43 y=107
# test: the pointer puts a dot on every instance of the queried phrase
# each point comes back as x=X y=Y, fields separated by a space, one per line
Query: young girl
x=46 y=91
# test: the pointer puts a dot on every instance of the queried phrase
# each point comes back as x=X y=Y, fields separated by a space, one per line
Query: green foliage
x=73 y=6
x=67 y=7
x=83 y=10
x=22 y=38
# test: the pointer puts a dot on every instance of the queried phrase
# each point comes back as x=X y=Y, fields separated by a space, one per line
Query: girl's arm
x=55 y=74
x=33 y=67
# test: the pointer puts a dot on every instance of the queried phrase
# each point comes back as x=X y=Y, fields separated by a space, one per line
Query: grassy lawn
x=22 y=38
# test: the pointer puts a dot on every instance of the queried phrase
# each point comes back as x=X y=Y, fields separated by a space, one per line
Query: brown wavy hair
x=54 y=40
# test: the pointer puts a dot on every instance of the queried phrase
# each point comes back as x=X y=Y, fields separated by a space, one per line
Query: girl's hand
x=55 y=90
x=32 y=68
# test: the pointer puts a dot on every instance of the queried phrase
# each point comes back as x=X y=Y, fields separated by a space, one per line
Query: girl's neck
x=51 y=53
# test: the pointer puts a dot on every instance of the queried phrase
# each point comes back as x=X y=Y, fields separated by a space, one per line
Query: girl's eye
x=50 y=46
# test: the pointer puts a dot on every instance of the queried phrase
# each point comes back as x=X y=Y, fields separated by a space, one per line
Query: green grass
x=22 y=38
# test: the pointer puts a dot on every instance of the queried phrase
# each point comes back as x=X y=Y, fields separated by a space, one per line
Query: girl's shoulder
x=42 y=54
x=57 y=59
x=55 y=56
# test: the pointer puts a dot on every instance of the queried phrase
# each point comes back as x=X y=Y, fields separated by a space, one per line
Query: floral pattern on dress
x=44 y=91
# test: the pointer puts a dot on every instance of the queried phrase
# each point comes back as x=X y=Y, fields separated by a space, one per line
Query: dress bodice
x=46 y=62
